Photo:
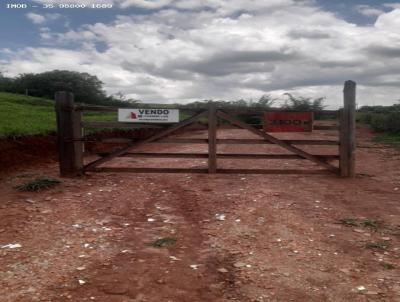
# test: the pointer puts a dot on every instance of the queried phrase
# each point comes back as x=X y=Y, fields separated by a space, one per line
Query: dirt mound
x=27 y=151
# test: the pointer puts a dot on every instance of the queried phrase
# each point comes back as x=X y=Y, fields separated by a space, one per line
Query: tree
x=6 y=84
x=86 y=88
x=265 y=101
x=304 y=104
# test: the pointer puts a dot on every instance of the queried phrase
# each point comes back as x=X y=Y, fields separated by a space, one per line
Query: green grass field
x=22 y=115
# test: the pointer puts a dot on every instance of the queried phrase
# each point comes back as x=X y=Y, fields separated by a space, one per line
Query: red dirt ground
x=16 y=153
x=280 y=240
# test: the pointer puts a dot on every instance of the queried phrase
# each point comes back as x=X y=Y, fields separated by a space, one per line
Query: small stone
x=345 y=270
x=361 y=288
x=372 y=293
x=115 y=288
x=29 y=200
x=223 y=270
x=80 y=268
x=239 y=264
x=11 y=246
x=220 y=217
x=358 y=230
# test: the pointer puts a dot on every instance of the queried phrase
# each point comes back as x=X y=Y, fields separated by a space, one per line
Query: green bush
x=364 y=118
x=386 y=122
x=393 y=122
x=38 y=184
x=378 y=122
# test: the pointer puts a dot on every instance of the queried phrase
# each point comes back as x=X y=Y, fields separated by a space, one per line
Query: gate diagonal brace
x=153 y=138
x=277 y=141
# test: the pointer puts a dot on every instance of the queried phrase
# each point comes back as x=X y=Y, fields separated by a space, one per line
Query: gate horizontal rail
x=205 y=171
x=219 y=141
x=220 y=155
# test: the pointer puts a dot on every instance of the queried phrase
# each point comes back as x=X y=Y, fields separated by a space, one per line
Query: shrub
x=378 y=122
x=386 y=122
x=38 y=184
x=392 y=122
x=364 y=118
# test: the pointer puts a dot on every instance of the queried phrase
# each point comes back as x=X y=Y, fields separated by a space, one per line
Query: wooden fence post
x=69 y=131
x=212 y=138
x=348 y=131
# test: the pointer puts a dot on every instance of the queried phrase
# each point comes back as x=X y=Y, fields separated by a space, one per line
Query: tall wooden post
x=212 y=138
x=348 y=131
x=69 y=132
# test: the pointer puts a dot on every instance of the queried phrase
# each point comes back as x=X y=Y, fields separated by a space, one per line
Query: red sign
x=288 y=121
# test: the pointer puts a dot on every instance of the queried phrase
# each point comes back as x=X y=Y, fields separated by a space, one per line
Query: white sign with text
x=148 y=115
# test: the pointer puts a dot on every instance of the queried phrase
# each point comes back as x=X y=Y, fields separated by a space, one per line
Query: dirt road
x=238 y=237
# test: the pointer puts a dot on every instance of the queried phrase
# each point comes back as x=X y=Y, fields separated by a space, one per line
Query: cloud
x=234 y=62
x=384 y=51
x=36 y=18
x=368 y=10
x=308 y=34
x=389 y=21
x=191 y=50
x=41 y=19
x=392 y=5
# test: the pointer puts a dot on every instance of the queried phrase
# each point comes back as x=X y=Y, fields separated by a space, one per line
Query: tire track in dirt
x=198 y=208
x=145 y=273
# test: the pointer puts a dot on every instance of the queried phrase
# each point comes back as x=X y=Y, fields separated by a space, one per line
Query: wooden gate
x=71 y=141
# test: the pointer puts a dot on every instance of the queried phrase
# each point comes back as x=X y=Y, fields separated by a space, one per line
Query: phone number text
x=59 y=5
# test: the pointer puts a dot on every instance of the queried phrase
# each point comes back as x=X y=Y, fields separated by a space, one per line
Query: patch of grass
x=388 y=265
x=380 y=245
x=38 y=184
x=388 y=138
x=368 y=223
x=162 y=242
x=348 y=221
x=373 y=224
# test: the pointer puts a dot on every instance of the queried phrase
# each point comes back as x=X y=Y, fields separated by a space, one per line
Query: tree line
x=85 y=87
x=89 y=89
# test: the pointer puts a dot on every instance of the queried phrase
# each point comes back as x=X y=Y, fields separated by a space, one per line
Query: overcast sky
x=185 y=50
